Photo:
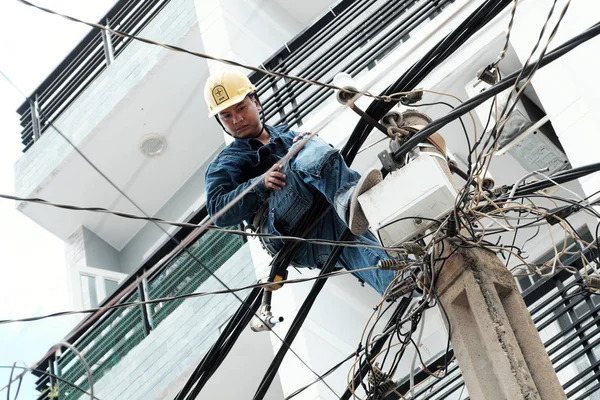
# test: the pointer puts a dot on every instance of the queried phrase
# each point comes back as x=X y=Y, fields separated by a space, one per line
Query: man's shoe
x=357 y=221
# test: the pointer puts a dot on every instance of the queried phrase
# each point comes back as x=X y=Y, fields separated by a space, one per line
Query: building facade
x=139 y=142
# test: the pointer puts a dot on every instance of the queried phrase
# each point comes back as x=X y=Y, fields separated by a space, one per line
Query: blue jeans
x=319 y=167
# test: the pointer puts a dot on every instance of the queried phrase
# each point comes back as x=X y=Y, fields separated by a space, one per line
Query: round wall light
x=153 y=144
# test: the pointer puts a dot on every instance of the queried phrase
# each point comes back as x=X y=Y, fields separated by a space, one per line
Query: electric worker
x=286 y=193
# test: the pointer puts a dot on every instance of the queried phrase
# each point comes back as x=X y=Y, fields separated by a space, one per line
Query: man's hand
x=300 y=136
x=274 y=180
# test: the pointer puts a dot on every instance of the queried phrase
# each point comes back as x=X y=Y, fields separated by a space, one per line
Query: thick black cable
x=221 y=347
x=499 y=87
x=418 y=71
x=559 y=177
x=378 y=345
x=299 y=320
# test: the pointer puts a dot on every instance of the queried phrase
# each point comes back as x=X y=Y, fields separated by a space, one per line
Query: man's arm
x=223 y=184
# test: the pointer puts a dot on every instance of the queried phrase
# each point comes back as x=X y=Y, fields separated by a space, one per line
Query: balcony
x=119 y=331
x=106 y=106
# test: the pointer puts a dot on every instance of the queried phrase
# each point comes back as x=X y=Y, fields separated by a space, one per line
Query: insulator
x=391 y=264
x=593 y=282
x=380 y=381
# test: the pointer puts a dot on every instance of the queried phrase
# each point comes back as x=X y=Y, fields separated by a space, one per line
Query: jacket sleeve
x=223 y=184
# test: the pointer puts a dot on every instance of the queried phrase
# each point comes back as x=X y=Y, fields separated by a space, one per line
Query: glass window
x=110 y=286
x=88 y=291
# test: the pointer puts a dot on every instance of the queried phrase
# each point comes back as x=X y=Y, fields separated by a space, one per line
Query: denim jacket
x=236 y=167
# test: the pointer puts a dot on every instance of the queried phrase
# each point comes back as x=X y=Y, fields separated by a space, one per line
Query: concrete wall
x=183 y=204
x=100 y=254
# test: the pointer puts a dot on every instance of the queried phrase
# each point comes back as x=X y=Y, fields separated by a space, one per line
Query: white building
x=120 y=101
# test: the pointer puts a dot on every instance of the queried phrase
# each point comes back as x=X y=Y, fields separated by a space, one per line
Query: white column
x=247 y=31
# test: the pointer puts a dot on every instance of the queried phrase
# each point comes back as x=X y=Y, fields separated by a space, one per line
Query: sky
x=33 y=277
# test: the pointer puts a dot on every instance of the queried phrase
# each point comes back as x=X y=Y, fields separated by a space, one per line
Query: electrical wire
x=205 y=56
x=504 y=84
x=186 y=296
x=83 y=361
x=355 y=243
x=502 y=54
x=467 y=205
x=134 y=284
x=414 y=358
x=12 y=370
x=53 y=376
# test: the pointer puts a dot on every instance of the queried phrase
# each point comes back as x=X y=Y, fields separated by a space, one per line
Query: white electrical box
x=404 y=204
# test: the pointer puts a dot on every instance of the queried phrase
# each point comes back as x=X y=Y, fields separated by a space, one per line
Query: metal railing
x=570 y=325
x=352 y=38
x=122 y=329
x=78 y=70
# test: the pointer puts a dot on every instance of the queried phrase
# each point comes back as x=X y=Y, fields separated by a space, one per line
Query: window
x=88 y=291
x=110 y=285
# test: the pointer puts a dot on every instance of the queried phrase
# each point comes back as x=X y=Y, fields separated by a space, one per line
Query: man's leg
x=323 y=168
x=352 y=258
x=320 y=167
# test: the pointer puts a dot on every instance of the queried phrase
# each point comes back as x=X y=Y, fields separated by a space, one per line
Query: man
x=254 y=155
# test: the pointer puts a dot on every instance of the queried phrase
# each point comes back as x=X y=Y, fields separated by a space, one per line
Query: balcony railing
x=119 y=331
x=79 y=69
x=352 y=38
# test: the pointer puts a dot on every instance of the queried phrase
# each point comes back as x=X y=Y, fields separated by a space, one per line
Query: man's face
x=242 y=120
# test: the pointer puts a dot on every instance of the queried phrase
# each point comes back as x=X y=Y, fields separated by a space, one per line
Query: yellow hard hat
x=225 y=89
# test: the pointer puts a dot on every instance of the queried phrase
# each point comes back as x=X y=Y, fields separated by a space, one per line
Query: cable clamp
x=265 y=321
x=592 y=283
x=273 y=285
x=392 y=264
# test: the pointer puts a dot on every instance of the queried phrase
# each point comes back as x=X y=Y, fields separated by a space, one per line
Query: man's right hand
x=273 y=179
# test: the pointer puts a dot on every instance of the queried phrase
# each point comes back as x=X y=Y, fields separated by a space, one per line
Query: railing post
x=147 y=318
x=35 y=118
x=109 y=51
x=53 y=369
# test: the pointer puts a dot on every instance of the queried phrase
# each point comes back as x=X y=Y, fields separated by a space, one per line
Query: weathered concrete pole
x=495 y=341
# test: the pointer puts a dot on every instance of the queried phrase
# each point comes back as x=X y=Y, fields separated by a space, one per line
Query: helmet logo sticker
x=219 y=94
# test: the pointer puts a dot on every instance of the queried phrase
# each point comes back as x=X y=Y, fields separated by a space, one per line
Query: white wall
x=247 y=31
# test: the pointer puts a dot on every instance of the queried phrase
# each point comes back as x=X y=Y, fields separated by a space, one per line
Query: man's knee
x=314 y=157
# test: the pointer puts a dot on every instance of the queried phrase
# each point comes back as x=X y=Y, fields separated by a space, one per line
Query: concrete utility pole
x=495 y=341
x=498 y=347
